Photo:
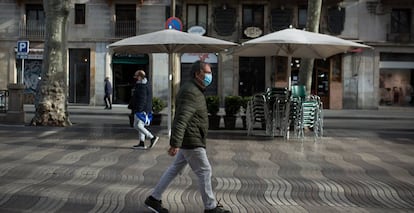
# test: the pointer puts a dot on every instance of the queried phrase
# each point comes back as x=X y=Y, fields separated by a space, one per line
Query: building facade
x=92 y=25
x=362 y=79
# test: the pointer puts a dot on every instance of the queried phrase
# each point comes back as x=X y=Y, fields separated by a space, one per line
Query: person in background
x=188 y=141
x=108 y=94
x=142 y=105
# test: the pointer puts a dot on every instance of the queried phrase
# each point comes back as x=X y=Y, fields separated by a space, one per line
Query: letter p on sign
x=23 y=46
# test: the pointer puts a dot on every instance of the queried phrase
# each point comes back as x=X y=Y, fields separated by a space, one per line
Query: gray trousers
x=198 y=161
x=142 y=131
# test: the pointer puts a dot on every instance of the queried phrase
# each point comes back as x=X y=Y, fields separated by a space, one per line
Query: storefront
x=326 y=78
x=396 y=79
x=251 y=75
x=30 y=77
x=123 y=68
x=79 y=76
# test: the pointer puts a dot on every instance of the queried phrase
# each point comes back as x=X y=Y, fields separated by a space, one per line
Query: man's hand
x=172 y=151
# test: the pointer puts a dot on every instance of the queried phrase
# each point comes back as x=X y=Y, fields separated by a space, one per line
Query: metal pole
x=172 y=9
x=170 y=110
x=289 y=72
x=171 y=73
x=22 y=75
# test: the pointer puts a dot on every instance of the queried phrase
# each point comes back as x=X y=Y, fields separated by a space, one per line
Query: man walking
x=142 y=107
x=188 y=141
x=108 y=94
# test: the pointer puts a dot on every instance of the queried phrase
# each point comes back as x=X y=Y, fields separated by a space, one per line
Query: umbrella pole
x=289 y=72
x=170 y=66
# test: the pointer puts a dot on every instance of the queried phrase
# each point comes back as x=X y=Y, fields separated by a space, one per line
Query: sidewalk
x=381 y=113
x=356 y=122
x=90 y=167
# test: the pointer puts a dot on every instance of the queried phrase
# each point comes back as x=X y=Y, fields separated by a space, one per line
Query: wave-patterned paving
x=93 y=169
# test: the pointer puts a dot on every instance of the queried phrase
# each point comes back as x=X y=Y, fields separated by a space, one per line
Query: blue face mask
x=208 y=78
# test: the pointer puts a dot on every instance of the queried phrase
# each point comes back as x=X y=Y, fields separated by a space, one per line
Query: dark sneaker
x=141 y=145
x=154 y=141
x=155 y=205
x=218 y=209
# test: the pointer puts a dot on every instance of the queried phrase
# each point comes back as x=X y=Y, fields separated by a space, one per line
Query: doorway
x=124 y=67
x=321 y=81
x=79 y=76
x=251 y=75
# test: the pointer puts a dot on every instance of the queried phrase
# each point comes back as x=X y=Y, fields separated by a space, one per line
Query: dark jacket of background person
x=190 y=126
x=108 y=87
x=142 y=98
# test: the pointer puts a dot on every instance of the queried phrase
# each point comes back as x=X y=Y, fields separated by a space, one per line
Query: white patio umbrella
x=170 y=41
x=296 y=43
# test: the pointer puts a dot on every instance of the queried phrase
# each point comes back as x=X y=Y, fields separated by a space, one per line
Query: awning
x=130 y=60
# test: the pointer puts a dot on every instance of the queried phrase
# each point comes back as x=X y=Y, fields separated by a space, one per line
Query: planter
x=230 y=122
x=232 y=105
x=214 y=122
x=156 y=119
x=213 y=103
x=157 y=105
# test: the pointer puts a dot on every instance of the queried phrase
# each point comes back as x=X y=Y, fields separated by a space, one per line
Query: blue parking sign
x=23 y=47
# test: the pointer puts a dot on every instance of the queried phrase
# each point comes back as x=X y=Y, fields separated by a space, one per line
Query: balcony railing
x=399 y=37
x=125 y=28
x=32 y=29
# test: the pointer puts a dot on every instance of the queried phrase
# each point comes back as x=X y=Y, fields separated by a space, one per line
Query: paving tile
x=90 y=167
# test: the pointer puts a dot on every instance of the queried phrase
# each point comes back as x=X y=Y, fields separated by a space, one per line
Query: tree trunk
x=312 y=25
x=51 y=95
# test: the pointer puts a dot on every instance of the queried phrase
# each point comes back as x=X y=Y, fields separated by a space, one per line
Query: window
x=280 y=18
x=35 y=13
x=125 y=20
x=35 y=21
x=253 y=16
x=177 y=12
x=197 y=15
x=302 y=17
x=79 y=13
x=224 y=20
x=400 y=21
x=335 y=20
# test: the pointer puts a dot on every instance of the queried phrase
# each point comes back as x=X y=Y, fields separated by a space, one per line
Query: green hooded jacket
x=190 y=125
